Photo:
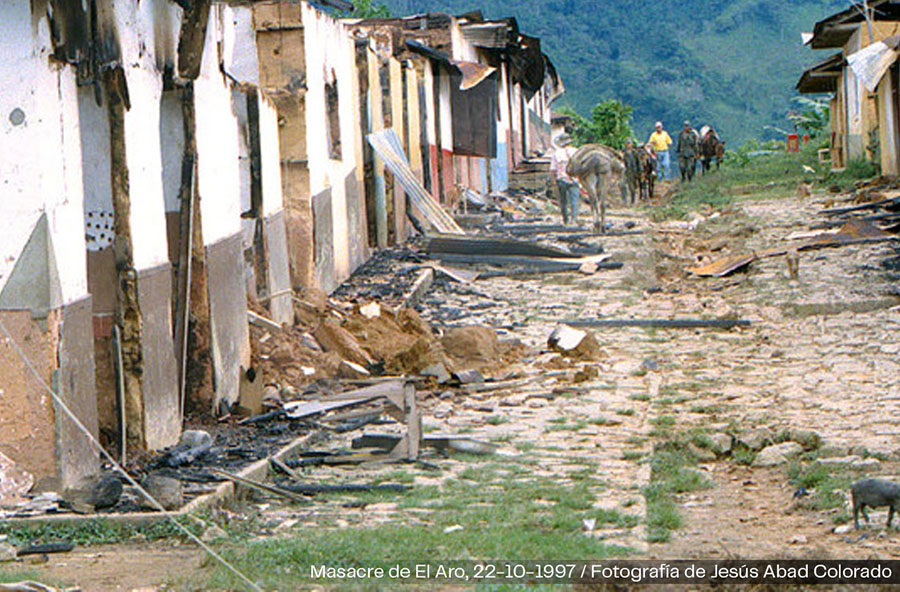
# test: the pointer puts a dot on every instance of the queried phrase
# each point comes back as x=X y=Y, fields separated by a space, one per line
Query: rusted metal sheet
x=724 y=266
x=852 y=233
x=390 y=150
x=472 y=73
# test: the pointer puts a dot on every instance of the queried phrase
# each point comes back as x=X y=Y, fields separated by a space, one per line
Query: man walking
x=632 y=171
x=568 y=187
x=660 y=142
x=687 y=152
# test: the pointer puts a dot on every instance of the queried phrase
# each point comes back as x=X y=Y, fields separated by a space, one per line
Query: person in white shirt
x=569 y=191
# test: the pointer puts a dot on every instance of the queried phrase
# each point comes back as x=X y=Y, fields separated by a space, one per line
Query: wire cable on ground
x=62 y=405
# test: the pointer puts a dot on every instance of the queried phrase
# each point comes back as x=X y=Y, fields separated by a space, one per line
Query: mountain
x=730 y=63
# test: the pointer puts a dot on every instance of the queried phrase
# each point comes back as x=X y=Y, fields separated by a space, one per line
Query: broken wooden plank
x=538 y=270
x=280 y=466
x=891 y=201
x=419 y=288
x=854 y=232
x=271 y=489
x=262 y=322
x=441 y=442
x=661 y=323
x=463 y=276
x=536 y=264
x=496 y=246
x=45 y=549
x=724 y=266
x=309 y=489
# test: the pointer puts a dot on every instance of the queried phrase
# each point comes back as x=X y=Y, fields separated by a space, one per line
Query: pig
x=874 y=493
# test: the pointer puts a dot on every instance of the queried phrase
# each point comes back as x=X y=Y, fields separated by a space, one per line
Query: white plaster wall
x=273 y=199
x=140 y=29
x=171 y=133
x=218 y=174
x=239 y=54
x=94 y=123
x=330 y=48
x=503 y=125
x=430 y=127
x=239 y=107
x=887 y=126
x=40 y=169
x=446 y=112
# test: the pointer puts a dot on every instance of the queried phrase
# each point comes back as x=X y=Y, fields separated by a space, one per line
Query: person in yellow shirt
x=660 y=141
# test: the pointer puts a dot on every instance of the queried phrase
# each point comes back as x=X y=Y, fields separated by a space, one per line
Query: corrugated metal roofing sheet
x=388 y=146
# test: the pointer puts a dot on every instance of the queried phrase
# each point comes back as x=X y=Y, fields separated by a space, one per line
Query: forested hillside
x=730 y=63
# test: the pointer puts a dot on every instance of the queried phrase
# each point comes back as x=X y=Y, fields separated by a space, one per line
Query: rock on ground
x=165 y=490
x=574 y=343
x=721 y=443
x=777 y=454
x=757 y=438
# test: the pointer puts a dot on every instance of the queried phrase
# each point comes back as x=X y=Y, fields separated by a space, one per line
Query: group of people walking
x=687 y=150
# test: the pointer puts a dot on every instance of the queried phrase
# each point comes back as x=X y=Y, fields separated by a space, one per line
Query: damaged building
x=862 y=81
x=169 y=164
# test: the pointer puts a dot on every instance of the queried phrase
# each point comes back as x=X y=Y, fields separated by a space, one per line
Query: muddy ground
x=821 y=355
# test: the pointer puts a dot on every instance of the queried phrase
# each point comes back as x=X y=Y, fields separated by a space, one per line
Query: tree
x=610 y=124
x=813 y=117
x=365 y=9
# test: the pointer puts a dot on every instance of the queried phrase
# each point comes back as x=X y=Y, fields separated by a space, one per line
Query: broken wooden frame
x=660 y=323
x=401 y=404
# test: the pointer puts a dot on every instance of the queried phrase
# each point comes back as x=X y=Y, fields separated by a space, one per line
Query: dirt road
x=821 y=355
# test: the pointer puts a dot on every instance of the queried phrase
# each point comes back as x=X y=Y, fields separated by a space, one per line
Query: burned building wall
x=219 y=189
x=43 y=272
x=332 y=116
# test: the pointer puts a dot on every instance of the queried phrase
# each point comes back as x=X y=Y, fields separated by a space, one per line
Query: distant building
x=864 y=120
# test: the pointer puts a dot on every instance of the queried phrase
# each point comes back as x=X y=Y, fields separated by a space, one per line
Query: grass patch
x=708 y=409
x=575 y=426
x=826 y=485
x=526 y=517
x=626 y=412
x=497 y=420
x=743 y=455
x=774 y=175
x=671 y=473
x=662 y=514
x=636 y=440
x=601 y=421
x=639 y=397
x=99 y=532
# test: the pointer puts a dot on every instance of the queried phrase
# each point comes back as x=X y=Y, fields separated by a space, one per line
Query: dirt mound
x=400 y=339
x=478 y=348
x=290 y=357
x=335 y=338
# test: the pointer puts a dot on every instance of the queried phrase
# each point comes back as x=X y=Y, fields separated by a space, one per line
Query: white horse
x=595 y=166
